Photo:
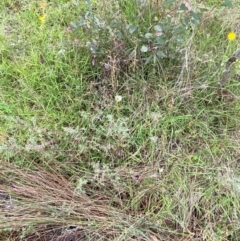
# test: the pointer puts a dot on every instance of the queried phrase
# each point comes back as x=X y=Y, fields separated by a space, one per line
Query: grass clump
x=113 y=126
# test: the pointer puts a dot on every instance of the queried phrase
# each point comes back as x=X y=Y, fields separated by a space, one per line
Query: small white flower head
x=118 y=98
x=154 y=139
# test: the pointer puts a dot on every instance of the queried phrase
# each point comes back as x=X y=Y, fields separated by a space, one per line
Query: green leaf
x=148 y=35
x=149 y=59
x=160 y=40
x=161 y=54
x=227 y=4
x=158 y=28
x=183 y=7
x=132 y=28
x=186 y=21
x=169 y=2
x=196 y=17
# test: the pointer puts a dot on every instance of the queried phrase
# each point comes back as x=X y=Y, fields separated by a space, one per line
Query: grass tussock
x=50 y=204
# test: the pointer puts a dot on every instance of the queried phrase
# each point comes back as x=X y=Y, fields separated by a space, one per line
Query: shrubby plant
x=125 y=34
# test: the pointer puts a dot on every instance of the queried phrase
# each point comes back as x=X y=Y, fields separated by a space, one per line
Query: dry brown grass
x=127 y=203
x=48 y=203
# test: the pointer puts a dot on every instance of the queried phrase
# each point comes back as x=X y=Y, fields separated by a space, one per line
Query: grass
x=162 y=164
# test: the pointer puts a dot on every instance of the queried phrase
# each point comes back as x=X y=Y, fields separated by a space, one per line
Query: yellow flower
x=231 y=36
x=42 y=18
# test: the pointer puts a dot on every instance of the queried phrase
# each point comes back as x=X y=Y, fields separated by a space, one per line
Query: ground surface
x=104 y=149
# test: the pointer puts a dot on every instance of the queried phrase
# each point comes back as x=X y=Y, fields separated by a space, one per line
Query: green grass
x=162 y=164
